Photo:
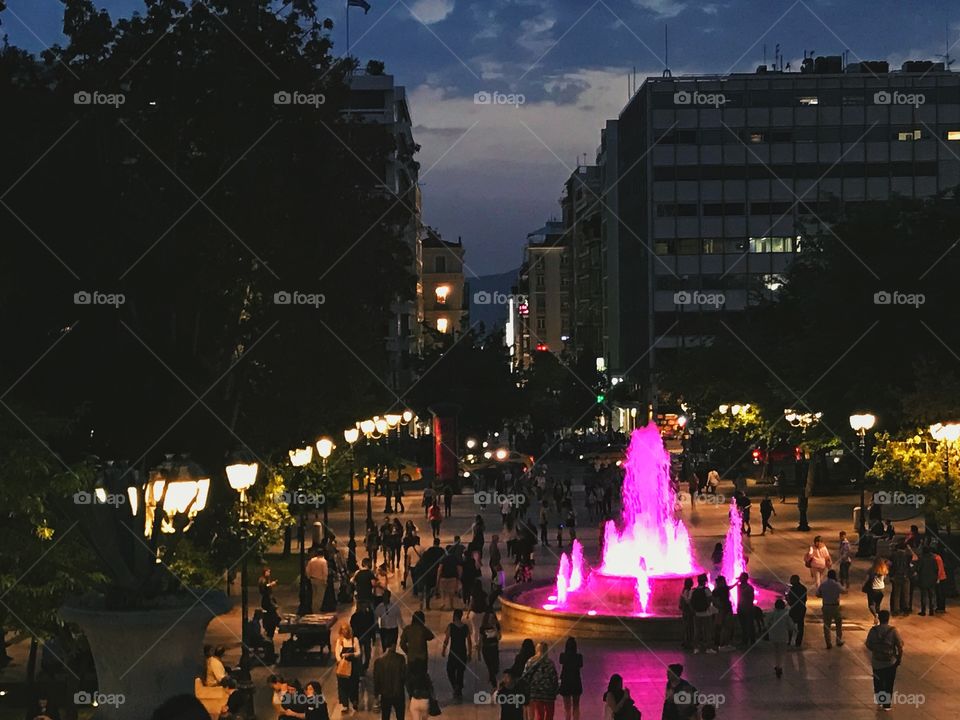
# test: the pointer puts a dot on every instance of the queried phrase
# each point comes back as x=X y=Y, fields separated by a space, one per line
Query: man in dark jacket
x=681 y=698
x=389 y=676
x=413 y=642
x=927 y=580
x=427 y=570
x=900 y=600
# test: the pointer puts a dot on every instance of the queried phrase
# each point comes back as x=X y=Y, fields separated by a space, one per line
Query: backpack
x=699 y=600
x=885 y=650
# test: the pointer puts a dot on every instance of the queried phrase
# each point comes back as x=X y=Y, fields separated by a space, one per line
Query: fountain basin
x=612 y=613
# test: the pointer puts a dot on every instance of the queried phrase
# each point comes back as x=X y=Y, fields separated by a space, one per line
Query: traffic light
x=601 y=398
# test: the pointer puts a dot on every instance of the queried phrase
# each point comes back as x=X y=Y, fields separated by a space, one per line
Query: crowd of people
x=383 y=650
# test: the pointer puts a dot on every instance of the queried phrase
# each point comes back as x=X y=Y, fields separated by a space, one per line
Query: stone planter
x=144 y=657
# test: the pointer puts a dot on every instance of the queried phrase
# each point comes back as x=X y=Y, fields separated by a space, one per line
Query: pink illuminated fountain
x=647 y=554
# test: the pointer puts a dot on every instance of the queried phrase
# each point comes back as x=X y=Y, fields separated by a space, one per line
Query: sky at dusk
x=494 y=172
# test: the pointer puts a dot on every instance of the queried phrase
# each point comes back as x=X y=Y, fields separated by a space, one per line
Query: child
x=501 y=577
x=845 y=560
x=780 y=628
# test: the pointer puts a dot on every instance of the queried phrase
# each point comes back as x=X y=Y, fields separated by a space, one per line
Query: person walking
x=571 y=683
x=363 y=622
x=389 y=676
x=490 y=636
x=317 y=573
x=435 y=516
x=829 y=591
x=874 y=586
x=542 y=683
x=797 y=604
x=372 y=542
x=780 y=628
x=426 y=571
x=544 y=522
x=927 y=576
x=901 y=567
x=447 y=500
x=845 y=557
x=509 y=698
x=886 y=652
x=347 y=655
x=414 y=642
x=458 y=640
x=411 y=549
x=746 y=610
x=766 y=510
x=427 y=502
x=818 y=560
x=680 y=701
x=477 y=540
x=495 y=557
x=448 y=578
x=420 y=689
x=617 y=703
x=703 y=616
x=389 y=621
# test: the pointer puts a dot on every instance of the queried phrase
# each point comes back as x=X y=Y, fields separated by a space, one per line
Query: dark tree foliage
x=197 y=196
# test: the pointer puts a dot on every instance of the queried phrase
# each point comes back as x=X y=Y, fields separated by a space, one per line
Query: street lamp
x=177 y=486
x=861 y=424
x=947 y=433
x=300 y=458
x=802 y=421
x=351 y=435
x=325 y=447
x=241 y=476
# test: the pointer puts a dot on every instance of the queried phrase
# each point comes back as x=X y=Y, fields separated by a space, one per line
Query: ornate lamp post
x=802 y=421
x=861 y=424
x=241 y=476
x=351 y=435
x=325 y=447
x=300 y=458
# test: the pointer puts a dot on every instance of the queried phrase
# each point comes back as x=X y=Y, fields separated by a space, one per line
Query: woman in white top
x=215 y=672
x=346 y=655
x=818 y=560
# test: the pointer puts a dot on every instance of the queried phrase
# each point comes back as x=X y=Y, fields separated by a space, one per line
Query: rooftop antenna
x=947 y=60
x=764 y=53
x=666 y=51
x=776 y=58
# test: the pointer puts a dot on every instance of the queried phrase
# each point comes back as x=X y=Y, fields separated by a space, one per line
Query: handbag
x=434 y=709
x=344 y=667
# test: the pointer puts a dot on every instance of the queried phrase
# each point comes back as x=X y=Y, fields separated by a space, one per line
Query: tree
x=198 y=200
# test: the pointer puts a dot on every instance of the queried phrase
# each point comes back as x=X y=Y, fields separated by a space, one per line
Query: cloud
x=662 y=8
x=500 y=159
x=432 y=11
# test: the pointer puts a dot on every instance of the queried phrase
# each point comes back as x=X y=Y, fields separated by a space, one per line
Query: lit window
x=442 y=324
x=810 y=100
x=953 y=134
x=756 y=137
x=443 y=292
x=909 y=135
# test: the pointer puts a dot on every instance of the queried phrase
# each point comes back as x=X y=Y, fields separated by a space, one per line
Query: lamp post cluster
x=373 y=430
x=862 y=423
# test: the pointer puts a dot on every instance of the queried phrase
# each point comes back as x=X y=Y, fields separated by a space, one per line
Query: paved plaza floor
x=817 y=683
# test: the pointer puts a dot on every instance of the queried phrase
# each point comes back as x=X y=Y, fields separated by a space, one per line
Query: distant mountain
x=488 y=295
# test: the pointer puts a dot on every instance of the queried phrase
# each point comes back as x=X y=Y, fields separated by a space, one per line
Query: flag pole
x=348 y=28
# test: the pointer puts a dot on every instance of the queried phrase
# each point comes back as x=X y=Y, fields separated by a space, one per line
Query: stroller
x=524 y=573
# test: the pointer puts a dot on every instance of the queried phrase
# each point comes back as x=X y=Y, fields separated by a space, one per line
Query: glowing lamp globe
x=325 y=447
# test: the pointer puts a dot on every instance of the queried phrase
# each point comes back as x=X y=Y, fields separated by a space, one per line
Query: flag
x=360 y=4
